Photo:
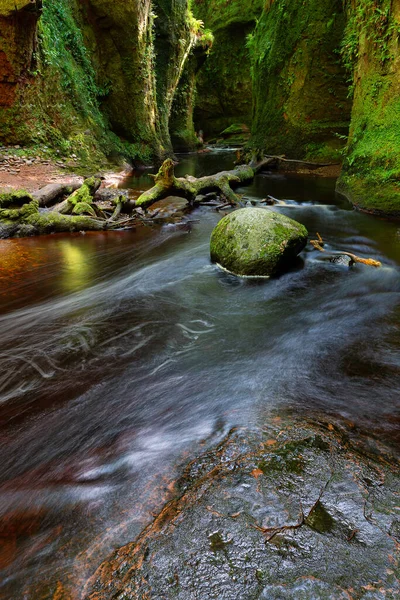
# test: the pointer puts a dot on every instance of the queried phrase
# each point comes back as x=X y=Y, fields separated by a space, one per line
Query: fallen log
x=51 y=193
x=319 y=245
x=166 y=184
x=266 y=162
x=81 y=201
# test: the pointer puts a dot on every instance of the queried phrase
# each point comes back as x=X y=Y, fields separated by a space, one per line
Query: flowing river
x=124 y=354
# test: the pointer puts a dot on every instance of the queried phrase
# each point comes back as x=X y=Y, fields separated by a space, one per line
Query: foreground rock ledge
x=257 y=242
x=297 y=510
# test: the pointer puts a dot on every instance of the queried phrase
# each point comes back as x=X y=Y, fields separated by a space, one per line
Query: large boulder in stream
x=257 y=242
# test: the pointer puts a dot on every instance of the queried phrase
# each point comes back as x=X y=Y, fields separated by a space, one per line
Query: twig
x=116 y=224
x=319 y=245
x=302 y=162
x=270 y=200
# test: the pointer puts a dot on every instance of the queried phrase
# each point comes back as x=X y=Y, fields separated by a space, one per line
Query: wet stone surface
x=296 y=511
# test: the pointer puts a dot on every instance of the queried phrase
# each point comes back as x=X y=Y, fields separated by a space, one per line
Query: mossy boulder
x=257 y=242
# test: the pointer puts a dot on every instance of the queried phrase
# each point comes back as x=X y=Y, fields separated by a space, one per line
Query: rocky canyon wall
x=93 y=77
x=371 y=170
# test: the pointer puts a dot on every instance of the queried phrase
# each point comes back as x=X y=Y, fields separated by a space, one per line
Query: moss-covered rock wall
x=371 y=170
x=300 y=89
x=181 y=124
x=119 y=36
x=176 y=34
x=93 y=77
x=224 y=85
x=18 y=22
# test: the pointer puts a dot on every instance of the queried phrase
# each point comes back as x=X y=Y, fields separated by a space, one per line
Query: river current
x=124 y=354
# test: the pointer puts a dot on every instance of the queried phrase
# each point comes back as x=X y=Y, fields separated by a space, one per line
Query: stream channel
x=125 y=355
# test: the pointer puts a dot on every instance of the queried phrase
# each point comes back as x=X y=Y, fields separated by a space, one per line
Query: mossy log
x=50 y=194
x=166 y=184
x=81 y=201
x=20 y=216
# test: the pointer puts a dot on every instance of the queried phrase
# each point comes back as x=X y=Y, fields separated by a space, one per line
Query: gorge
x=170 y=430
x=314 y=80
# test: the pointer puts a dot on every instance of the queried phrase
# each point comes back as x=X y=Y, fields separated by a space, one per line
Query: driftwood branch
x=318 y=244
x=166 y=184
x=308 y=164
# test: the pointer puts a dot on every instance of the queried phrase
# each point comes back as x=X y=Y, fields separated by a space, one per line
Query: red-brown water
x=123 y=354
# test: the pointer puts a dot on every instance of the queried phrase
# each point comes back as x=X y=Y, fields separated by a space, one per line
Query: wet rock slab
x=290 y=512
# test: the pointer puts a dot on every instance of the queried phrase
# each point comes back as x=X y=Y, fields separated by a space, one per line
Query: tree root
x=319 y=245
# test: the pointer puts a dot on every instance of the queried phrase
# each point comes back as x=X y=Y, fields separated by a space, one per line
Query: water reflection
x=78 y=271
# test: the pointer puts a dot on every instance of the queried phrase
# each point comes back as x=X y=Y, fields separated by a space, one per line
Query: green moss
x=224 y=86
x=20 y=214
x=85 y=192
x=82 y=208
x=51 y=222
x=17 y=197
x=23 y=217
x=320 y=520
x=382 y=199
x=220 y=14
x=91 y=88
x=183 y=136
x=8 y=7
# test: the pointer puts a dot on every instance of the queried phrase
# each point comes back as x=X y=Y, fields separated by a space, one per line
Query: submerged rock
x=300 y=510
x=257 y=242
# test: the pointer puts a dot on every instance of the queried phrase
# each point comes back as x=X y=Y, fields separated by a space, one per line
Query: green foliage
x=370 y=19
